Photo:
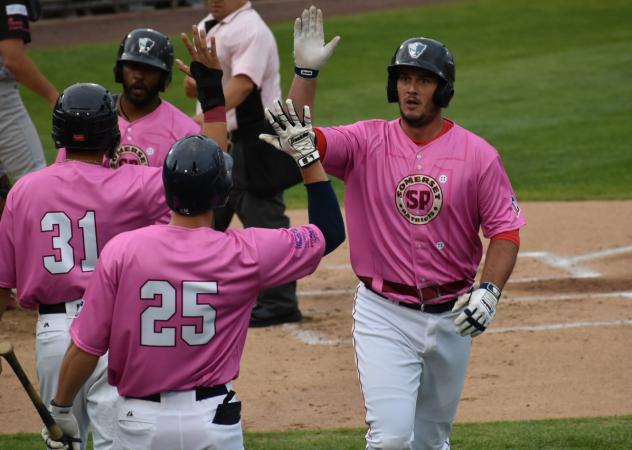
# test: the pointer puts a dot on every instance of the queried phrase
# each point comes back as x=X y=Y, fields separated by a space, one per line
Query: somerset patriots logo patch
x=128 y=154
x=419 y=198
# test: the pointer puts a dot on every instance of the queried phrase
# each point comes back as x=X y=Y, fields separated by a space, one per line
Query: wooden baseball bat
x=6 y=351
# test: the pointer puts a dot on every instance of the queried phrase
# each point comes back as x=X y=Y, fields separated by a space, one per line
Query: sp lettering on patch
x=419 y=198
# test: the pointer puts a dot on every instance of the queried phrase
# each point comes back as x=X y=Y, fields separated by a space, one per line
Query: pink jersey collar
x=447 y=126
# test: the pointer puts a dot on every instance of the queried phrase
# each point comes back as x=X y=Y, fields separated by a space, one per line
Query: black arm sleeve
x=324 y=212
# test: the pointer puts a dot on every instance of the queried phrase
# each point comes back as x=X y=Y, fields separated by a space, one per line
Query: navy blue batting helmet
x=146 y=46
x=196 y=175
x=428 y=54
x=85 y=118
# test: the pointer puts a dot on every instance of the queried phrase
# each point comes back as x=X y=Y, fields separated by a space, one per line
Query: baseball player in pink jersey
x=54 y=227
x=149 y=125
x=175 y=331
x=417 y=191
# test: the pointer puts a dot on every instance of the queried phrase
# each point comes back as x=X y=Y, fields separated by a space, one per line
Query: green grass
x=588 y=434
x=546 y=82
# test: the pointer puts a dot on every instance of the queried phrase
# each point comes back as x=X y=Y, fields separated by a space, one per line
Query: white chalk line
x=561 y=326
x=569 y=264
x=573 y=296
x=310 y=337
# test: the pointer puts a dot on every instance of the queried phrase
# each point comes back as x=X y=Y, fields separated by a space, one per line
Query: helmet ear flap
x=118 y=72
x=443 y=94
x=391 y=89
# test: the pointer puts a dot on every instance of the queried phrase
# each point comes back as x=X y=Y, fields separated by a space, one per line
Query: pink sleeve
x=498 y=206
x=288 y=254
x=253 y=47
x=7 y=247
x=156 y=204
x=343 y=145
x=91 y=330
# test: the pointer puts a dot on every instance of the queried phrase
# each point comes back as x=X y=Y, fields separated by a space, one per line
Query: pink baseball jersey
x=146 y=141
x=243 y=42
x=414 y=211
x=172 y=304
x=58 y=219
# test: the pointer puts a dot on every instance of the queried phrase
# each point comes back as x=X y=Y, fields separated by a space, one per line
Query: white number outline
x=60 y=222
x=189 y=307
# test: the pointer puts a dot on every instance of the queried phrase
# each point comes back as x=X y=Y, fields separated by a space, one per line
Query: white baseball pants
x=95 y=402
x=412 y=368
x=178 y=422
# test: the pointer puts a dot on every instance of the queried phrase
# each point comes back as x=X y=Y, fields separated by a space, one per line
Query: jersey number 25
x=167 y=336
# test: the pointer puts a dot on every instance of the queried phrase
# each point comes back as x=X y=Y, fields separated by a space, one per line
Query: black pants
x=261 y=211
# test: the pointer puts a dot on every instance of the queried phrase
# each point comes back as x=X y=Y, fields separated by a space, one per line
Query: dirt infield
x=559 y=346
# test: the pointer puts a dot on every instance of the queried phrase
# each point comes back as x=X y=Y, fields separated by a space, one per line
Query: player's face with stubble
x=415 y=89
x=141 y=83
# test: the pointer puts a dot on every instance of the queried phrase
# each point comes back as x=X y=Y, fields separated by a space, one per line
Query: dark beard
x=421 y=121
x=151 y=95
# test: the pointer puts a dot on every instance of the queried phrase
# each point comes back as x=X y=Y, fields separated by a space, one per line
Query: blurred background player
x=149 y=125
x=20 y=147
x=249 y=57
x=417 y=191
x=57 y=221
x=175 y=331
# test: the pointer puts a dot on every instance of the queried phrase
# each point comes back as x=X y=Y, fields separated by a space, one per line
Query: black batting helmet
x=196 y=175
x=146 y=46
x=85 y=118
x=428 y=54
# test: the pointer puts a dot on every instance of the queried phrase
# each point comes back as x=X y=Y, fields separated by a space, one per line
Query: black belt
x=437 y=308
x=59 y=308
x=424 y=294
x=201 y=393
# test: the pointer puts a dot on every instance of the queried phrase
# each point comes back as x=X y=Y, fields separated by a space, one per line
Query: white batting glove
x=310 y=51
x=293 y=137
x=68 y=424
x=479 y=312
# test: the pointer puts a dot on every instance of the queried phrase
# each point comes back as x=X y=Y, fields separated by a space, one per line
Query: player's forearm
x=237 y=90
x=5 y=296
x=217 y=132
x=27 y=73
x=500 y=260
x=303 y=92
x=75 y=370
x=314 y=173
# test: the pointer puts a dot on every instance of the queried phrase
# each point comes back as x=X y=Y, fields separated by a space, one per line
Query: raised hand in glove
x=68 y=424
x=479 y=312
x=310 y=51
x=293 y=137
x=204 y=69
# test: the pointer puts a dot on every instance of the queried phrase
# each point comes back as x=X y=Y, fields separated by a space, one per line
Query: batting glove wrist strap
x=293 y=137
x=209 y=86
x=308 y=74
x=492 y=288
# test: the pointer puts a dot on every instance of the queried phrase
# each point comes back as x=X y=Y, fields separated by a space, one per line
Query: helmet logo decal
x=415 y=49
x=419 y=198
x=145 y=45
